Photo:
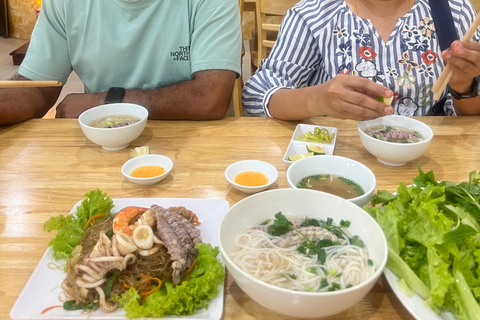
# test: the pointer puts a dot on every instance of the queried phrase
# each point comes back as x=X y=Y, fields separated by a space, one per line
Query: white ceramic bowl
x=251 y=165
x=390 y=153
x=113 y=138
x=147 y=160
x=341 y=166
x=313 y=204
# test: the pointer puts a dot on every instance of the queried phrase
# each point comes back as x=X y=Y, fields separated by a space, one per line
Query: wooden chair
x=269 y=16
x=238 y=86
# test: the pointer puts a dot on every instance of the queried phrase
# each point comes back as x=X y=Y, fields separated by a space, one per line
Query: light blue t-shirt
x=141 y=44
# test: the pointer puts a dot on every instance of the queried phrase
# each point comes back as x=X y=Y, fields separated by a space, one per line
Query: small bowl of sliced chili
x=147 y=169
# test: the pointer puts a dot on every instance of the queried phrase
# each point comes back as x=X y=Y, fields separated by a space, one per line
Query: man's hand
x=75 y=103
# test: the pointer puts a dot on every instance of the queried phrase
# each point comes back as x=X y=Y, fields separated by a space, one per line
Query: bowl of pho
x=340 y=176
x=302 y=253
x=113 y=126
x=395 y=140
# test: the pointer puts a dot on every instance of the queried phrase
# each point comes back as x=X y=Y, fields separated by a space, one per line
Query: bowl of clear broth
x=147 y=169
x=251 y=176
x=113 y=126
x=340 y=176
x=395 y=140
x=260 y=241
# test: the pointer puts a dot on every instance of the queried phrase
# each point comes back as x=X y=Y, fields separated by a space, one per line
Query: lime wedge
x=315 y=149
x=140 y=151
x=385 y=100
x=299 y=156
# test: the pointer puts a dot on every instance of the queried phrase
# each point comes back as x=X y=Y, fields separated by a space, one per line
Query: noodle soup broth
x=396 y=134
x=332 y=183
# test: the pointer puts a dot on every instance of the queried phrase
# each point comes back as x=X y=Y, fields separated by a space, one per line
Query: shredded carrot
x=191 y=267
x=93 y=218
x=146 y=293
x=50 y=308
x=126 y=285
x=195 y=220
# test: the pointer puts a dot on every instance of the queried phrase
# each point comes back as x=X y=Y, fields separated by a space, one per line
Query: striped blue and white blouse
x=322 y=38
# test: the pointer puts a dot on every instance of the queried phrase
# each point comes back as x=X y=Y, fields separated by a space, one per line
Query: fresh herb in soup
x=303 y=254
x=333 y=184
x=114 y=121
x=394 y=134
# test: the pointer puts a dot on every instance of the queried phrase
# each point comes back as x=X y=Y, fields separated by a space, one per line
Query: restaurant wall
x=22 y=17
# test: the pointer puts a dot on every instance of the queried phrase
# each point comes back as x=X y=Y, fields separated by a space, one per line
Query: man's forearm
x=205 y=97
x=20 y=104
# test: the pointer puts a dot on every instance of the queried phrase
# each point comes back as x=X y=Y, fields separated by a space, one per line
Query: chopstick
x=29 y=84
x=446 y=74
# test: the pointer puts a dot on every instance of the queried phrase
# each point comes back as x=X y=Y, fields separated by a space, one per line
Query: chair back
x=269 y=14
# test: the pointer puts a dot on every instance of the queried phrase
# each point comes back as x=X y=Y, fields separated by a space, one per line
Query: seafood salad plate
x=310 y=139
x=44 y=288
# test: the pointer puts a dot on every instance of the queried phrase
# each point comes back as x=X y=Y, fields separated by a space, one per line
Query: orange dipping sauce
x=251 y=179
x=147 y=171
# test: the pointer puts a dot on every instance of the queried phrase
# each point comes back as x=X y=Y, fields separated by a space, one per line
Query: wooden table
x=46 y=166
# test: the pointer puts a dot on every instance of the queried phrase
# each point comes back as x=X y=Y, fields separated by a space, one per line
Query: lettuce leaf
x=70 y=227
x=198 y=288
x=433 y=233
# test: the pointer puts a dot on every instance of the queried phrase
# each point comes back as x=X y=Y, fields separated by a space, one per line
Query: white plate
x=296 y=146
x=43 y=288
x=414 y=305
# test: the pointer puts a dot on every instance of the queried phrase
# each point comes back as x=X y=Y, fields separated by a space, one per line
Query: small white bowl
x=112 y=139
x=251 y=165
x=313 y=204
x=341 y=166
x=147 y=160
x=391 y=153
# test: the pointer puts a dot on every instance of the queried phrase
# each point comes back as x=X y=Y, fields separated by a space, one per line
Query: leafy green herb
x=71 y=305
x=433 y=234
x=280 y=225
x=323 y=283
x=312 y=270
x=70 y=227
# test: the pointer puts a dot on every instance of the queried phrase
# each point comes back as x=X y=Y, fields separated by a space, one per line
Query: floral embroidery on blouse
x=336 y=41
x=427 y=28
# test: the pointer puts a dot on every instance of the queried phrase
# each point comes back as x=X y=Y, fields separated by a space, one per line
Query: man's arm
x=20 y=104
x=205 y=97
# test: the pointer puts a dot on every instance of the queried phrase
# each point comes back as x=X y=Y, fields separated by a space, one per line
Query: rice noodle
x=275 y=261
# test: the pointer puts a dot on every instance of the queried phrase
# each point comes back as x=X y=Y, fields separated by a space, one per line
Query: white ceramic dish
x=341 y=166
x=251 y=165
x=414 y=305
x=313 y=204
x=112 y=139
x=43 y=288
x=390 y=153
x=147 y=160
x=296 y=146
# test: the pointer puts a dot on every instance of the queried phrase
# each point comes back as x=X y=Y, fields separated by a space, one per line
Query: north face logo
x=183 y=54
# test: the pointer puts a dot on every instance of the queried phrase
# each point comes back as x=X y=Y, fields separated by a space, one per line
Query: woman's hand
x=352 y=97
x=464 y=58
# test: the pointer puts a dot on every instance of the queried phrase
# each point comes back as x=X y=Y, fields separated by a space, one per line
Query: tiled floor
x=74 y=84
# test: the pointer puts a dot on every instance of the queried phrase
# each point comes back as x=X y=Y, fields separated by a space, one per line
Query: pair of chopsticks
x=29 y=84
x=446 y=74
